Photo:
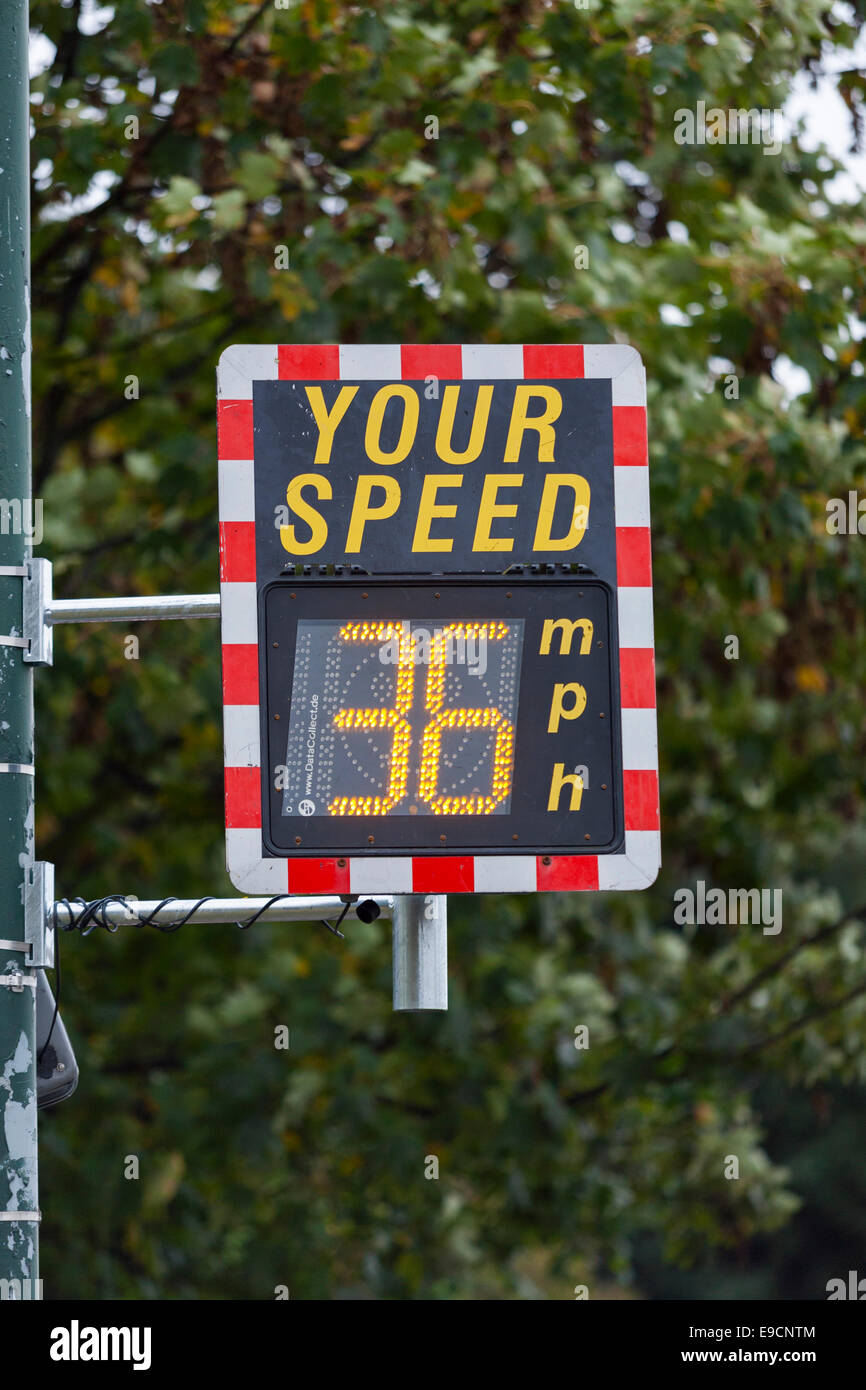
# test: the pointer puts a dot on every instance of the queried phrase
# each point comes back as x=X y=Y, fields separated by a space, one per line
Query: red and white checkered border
x=248 y=869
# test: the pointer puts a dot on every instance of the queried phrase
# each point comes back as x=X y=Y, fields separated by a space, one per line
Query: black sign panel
x=480 y=476
x=428 y=716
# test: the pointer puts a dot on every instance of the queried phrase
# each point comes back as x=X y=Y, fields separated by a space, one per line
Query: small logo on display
x=306 y=807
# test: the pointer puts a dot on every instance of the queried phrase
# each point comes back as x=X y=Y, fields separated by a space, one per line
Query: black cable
x=170 y=926
x=244 y=926
x=44 y=1048
x=336 y=925
x=92 y=914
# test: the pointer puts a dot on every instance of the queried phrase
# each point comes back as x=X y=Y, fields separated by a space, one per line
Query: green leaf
x=258 y=174
x=230 y=210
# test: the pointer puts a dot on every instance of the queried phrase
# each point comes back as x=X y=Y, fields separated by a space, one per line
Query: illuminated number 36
x=395 y=717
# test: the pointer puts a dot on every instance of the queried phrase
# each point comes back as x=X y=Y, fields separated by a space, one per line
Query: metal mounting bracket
x=38 y=906
x=38 y=635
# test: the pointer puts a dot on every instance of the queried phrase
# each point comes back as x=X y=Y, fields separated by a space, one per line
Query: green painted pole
x=19 y=1196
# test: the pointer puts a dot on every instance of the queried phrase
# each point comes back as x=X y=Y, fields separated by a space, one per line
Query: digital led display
x=403 y=717
x=440 y=714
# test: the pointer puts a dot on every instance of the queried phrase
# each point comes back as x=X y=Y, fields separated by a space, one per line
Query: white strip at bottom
x=390 y=875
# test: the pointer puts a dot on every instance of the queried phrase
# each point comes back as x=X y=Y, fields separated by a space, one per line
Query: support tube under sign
x=420 y=945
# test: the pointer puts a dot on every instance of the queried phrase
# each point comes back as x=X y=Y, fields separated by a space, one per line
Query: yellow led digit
x=369 y=632
x=460 y=718
x=392 y=718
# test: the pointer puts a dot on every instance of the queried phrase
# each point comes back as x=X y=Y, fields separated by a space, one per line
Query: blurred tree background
x=176 y=146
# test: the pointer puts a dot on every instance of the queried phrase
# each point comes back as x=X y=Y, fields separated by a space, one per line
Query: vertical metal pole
x=420 y=945
x=18 y=1153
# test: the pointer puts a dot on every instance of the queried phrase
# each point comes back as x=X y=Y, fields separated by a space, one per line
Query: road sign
x=437 y=619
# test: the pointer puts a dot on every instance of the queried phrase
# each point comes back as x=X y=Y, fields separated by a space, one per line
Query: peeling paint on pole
x=19 y=1123
x=18 y=1129
x=19 y=1118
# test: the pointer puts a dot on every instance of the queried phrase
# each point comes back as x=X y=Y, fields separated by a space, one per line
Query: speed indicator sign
x=427 y=717
x=437 y=631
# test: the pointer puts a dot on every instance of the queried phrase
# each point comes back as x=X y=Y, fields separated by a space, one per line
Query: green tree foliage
x=177 y=147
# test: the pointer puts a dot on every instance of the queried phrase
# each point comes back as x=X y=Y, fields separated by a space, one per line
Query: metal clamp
x=16 y=981
x=39 y=643
x=38 y=639
x=38 y=908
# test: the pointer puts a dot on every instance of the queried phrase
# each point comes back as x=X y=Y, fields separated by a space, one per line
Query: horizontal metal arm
x=125 y=610
x=221 y=910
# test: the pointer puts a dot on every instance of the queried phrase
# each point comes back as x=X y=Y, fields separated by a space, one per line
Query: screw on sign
x=437 y=619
